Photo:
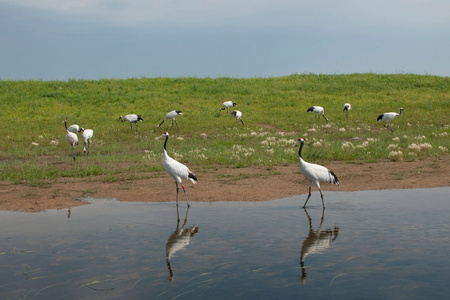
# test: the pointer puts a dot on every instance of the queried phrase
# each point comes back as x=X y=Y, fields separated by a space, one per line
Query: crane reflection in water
x=179 y=239
x=316 y=242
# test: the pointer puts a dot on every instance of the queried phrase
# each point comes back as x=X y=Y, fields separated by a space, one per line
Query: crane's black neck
x=165 y=143
x=65 y=123
x=300 y=149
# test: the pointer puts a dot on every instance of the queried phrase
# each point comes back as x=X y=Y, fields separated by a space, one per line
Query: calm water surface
x=390 y=244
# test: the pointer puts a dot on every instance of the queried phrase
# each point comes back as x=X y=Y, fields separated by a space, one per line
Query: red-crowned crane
x=177 y=170
x=318 y=110
x=87 y=136
x=171 y=115
x=315 y=173
x=388 y=117
x=347 y=108
x=227 y=105
x=132 y=118
x=238 y=115
x=74 y=128
x=72 y=138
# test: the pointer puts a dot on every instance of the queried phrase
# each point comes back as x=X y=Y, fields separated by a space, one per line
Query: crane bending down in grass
x=318 y=110
x=171 y=115
x=227 y=105
x=238 y=115
x=177 y=170
x=132 y=118
x=72 y=138
x=347 y=108
x=87 y=136
x=315 y=173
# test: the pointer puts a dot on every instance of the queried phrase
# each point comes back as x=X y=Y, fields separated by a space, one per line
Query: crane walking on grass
x=388 y=117
x=132 y=118
x=177 y=170
x=227 y=105
x=171 y=115
x=72 y=138
x=87 y=136
x=315 y=173
x=318 y=110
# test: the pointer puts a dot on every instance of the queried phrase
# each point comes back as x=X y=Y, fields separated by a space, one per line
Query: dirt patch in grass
x=222 y=184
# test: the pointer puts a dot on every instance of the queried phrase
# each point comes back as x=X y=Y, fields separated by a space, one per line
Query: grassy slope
x=274 y=110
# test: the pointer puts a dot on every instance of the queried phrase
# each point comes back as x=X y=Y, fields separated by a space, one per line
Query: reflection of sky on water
x=373 y=244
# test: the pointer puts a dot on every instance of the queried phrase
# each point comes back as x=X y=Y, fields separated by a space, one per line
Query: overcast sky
x=96 y=39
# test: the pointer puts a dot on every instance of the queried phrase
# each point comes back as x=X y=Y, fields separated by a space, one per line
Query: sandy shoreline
x=222 y=184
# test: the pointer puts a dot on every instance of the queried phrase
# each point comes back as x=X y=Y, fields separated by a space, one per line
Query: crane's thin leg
x=185 y=196
x=309 y=195
x=175 y=123
x=321 y=196
x=89 y=147
x=176 y=184
x=73 y=154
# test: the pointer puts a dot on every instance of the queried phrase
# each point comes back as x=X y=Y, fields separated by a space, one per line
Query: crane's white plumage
x=74 y=128
x=177 y=170
x=318 y=110
x=388 y=117
x=315 y=173
x=171 y=115
x=87 y=136
x=238 y=115
x=72 y=138
x=227 y=105
x=347 y=108
x=133 y=119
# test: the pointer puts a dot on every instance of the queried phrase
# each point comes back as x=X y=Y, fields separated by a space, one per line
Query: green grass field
x=33 y=148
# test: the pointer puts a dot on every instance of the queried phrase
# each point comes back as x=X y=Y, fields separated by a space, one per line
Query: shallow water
x=391 y=244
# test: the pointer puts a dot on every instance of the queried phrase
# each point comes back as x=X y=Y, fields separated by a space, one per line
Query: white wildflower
x=392 y=146
x=414 y=147
x=317 y=144
x=34 y=144
x=396 y=139
x=270 y=151
x=342 y=129
x=396 y=155
x=420 y=138
x=41 y=137
x=442 y=148
x=363 y=145
x=289 y=151
x=312 y=129
x=54 y=142
x=347 y=145
x=203 y=135
x=425 y=146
